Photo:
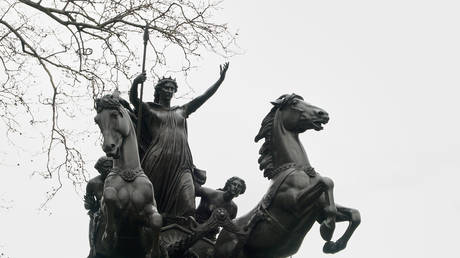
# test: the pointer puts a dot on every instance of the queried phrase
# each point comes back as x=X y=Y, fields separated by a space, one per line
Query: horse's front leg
x=111 y=206
x=144 y=201
x=330 y=210
x=344 y=214
x=152 y=236
x=311 y=194
x=319 y=186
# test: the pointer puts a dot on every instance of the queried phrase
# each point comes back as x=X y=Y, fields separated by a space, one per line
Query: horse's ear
x=297 y=96
x=285 y=99
x=277 y=102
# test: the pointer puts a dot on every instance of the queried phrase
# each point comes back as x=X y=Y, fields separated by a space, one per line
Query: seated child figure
x=221 y=198
x=92 y=199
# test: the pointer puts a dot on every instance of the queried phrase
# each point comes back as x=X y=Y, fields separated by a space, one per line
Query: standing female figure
x=166 y=156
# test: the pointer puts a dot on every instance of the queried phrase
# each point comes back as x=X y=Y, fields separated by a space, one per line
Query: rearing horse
x=132 y=222
x=297 y=197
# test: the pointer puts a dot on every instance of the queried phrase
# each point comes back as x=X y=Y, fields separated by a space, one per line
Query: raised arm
x=193 y=105
x=133 y=92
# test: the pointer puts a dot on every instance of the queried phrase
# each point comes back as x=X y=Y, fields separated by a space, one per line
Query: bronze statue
x=167 y=159
x=92 y=199
x=132 y=223
x=221 y=198
x=298 y=195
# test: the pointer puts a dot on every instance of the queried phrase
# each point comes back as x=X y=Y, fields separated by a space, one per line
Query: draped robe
x=167 y=159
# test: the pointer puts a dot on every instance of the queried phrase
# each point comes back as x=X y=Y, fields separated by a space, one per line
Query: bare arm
x=193 y=105
x=133 y=92
x=233 y=210
x=89 y=198
x=204 y=192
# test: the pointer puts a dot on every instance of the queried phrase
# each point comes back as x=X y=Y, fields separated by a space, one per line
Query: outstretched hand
x=223 y=70
x=140 y=78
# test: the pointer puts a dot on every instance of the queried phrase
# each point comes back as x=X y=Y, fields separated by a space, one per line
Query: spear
x=139 y=113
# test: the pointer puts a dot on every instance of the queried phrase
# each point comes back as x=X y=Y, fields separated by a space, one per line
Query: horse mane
x=114 y=101
x=266 y=157
x=266 y=131
x=130 y=111
x=109 y=101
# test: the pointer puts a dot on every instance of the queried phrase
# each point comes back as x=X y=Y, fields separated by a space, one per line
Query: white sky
x=388 y=74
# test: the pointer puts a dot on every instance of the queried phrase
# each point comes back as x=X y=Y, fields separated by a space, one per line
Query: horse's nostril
x=108 y=147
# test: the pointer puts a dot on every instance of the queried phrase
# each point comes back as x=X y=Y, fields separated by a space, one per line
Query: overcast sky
x=387 y=72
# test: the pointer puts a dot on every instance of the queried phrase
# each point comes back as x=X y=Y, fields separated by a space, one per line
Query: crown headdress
x=167 y=79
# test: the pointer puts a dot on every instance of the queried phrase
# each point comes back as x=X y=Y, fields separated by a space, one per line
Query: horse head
x=114 y=122
x=289 y=116
x=298 y=116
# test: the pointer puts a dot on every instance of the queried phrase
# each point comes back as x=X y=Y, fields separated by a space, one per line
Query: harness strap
x=128 y=175
x=267 y=200
x=262 y=212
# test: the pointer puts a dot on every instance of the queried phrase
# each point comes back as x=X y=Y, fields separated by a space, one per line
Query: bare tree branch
x=85 y=48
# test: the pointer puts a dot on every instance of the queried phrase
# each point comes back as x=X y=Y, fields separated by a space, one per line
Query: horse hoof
x=331 y=247
x=327 y=230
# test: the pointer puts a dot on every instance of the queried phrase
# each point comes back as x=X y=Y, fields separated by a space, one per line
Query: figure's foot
x=331 y=247
x=327 y=229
